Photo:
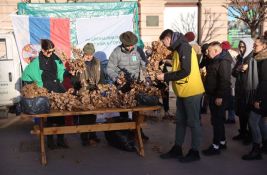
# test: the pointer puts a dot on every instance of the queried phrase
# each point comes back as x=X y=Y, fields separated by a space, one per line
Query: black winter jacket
x=218 y=79
x=261 y=94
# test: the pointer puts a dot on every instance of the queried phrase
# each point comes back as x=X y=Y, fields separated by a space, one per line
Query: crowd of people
x=213 y=75
x=234 y=81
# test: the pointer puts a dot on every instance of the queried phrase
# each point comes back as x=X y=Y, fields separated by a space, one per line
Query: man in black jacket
x=217 y=87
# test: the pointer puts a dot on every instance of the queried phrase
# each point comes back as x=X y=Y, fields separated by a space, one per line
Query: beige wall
x=151 y=8
x=216 y=14
x=7 y=7
x=211 y=9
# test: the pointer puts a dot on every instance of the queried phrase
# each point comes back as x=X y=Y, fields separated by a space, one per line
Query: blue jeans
x=187 y=114
x=258 y=126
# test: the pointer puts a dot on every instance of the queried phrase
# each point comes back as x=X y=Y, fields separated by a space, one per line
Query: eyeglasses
x=50 y=51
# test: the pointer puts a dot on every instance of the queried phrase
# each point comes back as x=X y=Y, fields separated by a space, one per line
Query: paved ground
x=19 y=154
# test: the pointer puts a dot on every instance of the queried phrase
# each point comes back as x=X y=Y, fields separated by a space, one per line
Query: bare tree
x=185 y=23
x=210 y=19
x=252 y=12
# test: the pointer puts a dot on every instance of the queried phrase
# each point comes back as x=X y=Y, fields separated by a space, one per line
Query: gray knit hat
x=128 y=38
x=89 y=48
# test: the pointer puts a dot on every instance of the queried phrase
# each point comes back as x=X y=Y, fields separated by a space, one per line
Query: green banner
x=82 y=10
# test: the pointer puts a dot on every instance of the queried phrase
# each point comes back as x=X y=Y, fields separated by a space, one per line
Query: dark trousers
x=165 y=99
x=85 y=120
x=243 y=110
x=187 y=115
x=217 y=120
x=59 y=121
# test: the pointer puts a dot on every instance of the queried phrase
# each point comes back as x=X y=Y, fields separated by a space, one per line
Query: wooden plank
x=42 y=143
x=86 y=128
x=36 y=130
x=97 y=111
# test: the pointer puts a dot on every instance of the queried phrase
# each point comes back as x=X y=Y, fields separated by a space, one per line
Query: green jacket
x=33 y=73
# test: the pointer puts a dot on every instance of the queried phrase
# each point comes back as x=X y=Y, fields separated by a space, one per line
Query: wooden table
x=138 y=119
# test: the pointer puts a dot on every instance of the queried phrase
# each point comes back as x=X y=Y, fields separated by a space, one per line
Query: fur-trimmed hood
x=261 y=55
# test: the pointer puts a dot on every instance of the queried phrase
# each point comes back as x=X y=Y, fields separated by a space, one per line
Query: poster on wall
x=181 y=19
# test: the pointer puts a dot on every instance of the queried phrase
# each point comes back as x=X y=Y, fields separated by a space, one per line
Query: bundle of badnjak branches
x=64 y=101
x=104 y=96
x=158 y=53
x=32 y=91
x=58 y=101
x=77 y=64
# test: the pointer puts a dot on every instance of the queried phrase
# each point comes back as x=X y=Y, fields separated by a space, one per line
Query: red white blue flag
x=30 y=30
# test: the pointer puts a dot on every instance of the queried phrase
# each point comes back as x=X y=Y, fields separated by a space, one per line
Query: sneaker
x=175 y=152
x=191 y=156
x=211 y=151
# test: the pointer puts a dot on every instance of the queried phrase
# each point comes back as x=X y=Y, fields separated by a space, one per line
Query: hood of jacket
x=177 y=40
x=262 y=55
x=249 y=46
x=224 y=55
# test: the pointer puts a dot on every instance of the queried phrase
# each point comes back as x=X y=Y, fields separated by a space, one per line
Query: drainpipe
x=199 y=4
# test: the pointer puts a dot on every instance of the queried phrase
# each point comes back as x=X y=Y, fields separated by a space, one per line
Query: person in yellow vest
x=188 y=87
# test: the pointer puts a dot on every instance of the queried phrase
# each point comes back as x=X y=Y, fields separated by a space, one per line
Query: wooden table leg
x=42 y=142
x=139 y=118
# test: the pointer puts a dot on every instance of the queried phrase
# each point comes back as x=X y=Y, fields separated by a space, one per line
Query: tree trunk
x=253 y=32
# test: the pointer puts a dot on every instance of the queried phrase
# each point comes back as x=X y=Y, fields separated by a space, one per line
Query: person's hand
x=218 y=101
x=119 y=82
x=72 y=72
x=160 y=77
x=257 y=105
x=244 y=67
x=148 y=81
x=203 y=71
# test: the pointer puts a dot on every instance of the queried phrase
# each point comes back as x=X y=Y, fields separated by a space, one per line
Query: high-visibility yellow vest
x=190 y=85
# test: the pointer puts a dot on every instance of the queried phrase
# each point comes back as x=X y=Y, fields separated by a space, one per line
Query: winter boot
x=175 y=152
x=254 y=154
x=191 y=156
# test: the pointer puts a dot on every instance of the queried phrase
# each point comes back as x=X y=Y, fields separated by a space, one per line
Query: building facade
x=208 y=19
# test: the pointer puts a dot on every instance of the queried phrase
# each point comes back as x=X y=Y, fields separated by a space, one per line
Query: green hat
x=89 y=48
x=128 y=38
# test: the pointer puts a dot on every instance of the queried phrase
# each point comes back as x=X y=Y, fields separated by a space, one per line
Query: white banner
x=103 y=32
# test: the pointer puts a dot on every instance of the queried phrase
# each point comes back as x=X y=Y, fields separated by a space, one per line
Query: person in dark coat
x=217 y=86
x=257 y=118
x=90 y=77
x=246 y=74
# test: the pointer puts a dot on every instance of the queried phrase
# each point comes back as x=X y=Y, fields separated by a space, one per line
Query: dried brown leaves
x=159 y=53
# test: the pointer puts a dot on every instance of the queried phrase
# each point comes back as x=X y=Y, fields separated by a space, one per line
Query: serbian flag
x=30 y=30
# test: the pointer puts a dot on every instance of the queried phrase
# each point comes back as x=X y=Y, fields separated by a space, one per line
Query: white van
x=10 y=72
